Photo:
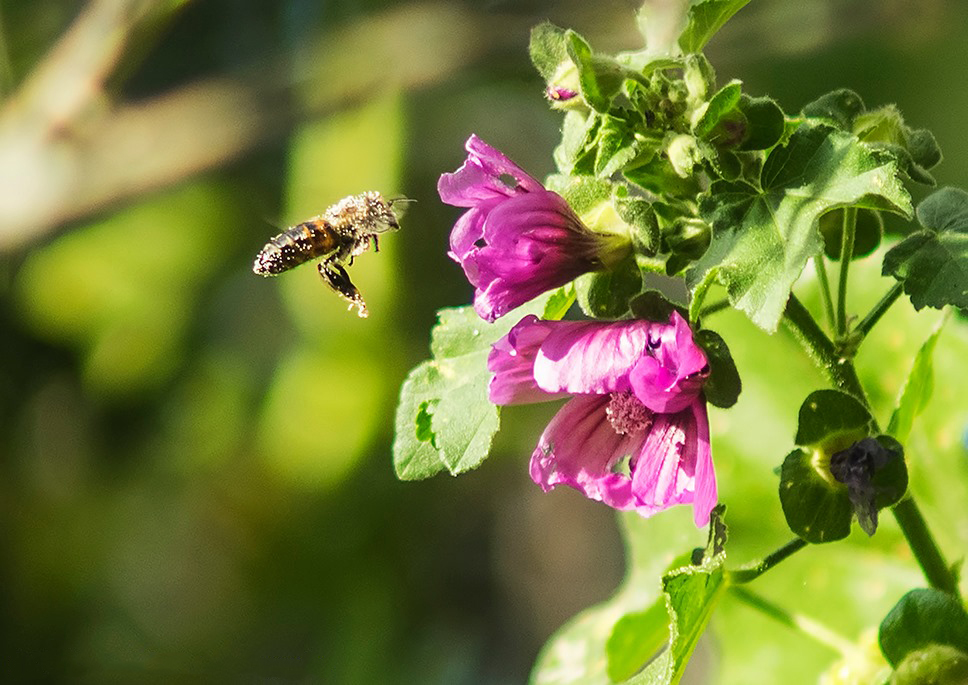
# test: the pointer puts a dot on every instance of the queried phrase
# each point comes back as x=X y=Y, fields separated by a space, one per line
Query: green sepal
x=816 y=507
x=723 y=386
x=932 y=264
x=548 y=49
x=838 y=108
x=868 y=231
x=639 y=214
x=605 y=294
x=765 y=123
x=832 y=420
x=599 y=76
x=923 y=617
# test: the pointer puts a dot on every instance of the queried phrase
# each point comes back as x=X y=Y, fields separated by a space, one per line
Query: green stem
x=808 y=626
x=925 y=549
x=713 y=308
x=890 y=297
x=838 y=369
x=820 y=265
x=846 y=252
x=749 y=572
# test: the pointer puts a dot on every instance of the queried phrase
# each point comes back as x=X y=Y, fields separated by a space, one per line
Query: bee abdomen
x=298 y=245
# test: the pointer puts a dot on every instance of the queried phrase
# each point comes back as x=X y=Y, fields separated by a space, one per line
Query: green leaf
x=915 y=149
x=638 y=213
x=765 y=123
x=932 y=665
x=723 y=386
x=917 y=389
x=548 y=49
x=838 y=108
x=832 y=420
x=576 y=655
x=722 y=103
x=762 y=237
x=932 y=264
x=559 y=303
x=691 y=595
x=816 y=507
x=868 y=231
x=704 y=19
x=923 y=617
x=576 y=152
x=635 y=638
x=444 y=420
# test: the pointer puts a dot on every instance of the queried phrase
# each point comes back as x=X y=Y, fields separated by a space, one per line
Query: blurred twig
x=66 y=151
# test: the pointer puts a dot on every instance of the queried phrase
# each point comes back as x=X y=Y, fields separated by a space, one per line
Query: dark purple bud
x=858 y=468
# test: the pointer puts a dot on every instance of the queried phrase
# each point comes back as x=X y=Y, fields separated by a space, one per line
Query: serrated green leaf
x=917 y=388
x=923 y=617
x=704 y=19
x=559 y=302
x=578 y=133
x=444 y=420
x=816 y=509
x=638 y=213
x=547 y=49
x=932 y=264
x=576 y=655
x=763 y=237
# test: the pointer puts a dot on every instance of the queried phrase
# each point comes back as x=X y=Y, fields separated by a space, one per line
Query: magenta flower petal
x=607 y=368
x=487 y=174
x=516 y=240
x=675 y=464
x=669 y=379
x=512 y=361
x=579 y=449
x=591 y=356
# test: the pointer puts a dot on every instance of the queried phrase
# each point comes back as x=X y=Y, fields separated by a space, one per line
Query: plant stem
x=846 y=252
x=890 y=297
x=713 y=308
x=808 y=626
x=838 y=369
x=749 y=572
x=925 y=549
x=820 y=265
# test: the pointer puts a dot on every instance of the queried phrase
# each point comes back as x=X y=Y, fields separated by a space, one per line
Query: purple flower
x=634 y=434
x=517 y=240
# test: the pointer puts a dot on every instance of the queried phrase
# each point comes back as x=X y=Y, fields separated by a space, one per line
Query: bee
x=341 y=233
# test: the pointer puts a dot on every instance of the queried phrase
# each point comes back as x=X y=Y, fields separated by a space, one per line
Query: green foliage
x=764 y=234
x=723 y=386
x=815 y=506
x=932 y=264
x=917 y=389
x=868 y=230
x=548 y=49
x=444 y=420
x=704 y=19
x=922 y=618
x=830 y=420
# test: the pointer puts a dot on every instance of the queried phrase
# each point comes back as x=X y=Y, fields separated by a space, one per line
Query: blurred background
x=195 y=472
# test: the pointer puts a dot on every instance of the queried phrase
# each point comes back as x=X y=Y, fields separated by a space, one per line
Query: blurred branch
x=61 y=158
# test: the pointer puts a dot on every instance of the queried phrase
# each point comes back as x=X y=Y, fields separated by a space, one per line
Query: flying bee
x=341 y=233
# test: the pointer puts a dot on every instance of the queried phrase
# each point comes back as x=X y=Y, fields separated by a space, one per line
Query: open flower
x=634 y=434
x=517 y=239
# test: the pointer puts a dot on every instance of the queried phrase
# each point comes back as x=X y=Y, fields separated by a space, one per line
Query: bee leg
x=376 y=243
x=336 y=278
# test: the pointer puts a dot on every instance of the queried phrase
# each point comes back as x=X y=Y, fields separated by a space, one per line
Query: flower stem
x=808 y=626
x=838 y=369
x=890 y=297
x=820 y=265
x=846 y=252
x=925 y=549
x=749 y=572
x=713 y=308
